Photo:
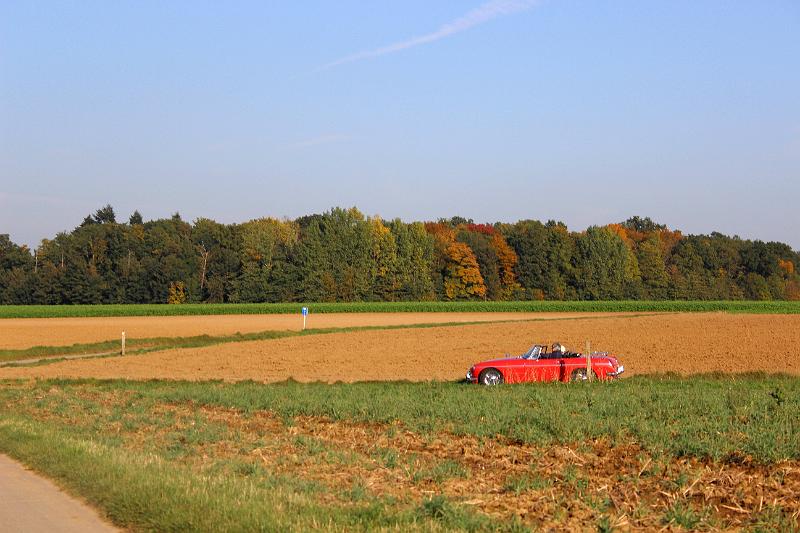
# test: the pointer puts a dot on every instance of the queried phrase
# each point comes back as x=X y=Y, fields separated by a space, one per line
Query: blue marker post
x=304 y=310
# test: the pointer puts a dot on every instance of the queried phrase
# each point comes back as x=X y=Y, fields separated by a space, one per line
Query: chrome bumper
x=619 y=371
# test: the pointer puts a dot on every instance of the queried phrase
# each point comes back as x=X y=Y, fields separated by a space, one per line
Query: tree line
x=342 y=255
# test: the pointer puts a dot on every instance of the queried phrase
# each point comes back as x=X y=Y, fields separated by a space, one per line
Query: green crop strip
x=62 y=311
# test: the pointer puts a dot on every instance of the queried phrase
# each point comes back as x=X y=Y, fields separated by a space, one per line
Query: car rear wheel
x=579 y=374
x=491 y=377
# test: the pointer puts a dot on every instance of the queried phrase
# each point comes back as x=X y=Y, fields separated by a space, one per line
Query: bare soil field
x=22 y=333
x=681 y=343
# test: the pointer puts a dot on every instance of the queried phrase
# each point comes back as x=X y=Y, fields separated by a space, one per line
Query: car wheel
x=491 y=377
x=579 y=374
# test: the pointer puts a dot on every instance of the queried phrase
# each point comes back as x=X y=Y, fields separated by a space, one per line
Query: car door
x=544 y=369
x=515 y=371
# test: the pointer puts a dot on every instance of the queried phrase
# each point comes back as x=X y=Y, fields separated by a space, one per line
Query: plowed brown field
x=683 y=343
x=17 y=334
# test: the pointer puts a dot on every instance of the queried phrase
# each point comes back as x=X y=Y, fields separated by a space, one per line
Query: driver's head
x=558 y=347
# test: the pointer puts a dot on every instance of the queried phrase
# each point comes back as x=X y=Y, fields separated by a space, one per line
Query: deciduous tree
x=463 y=279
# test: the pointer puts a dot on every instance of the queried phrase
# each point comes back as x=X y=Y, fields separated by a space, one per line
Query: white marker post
x=589 y=374
x=123 y=343
x=304 y=310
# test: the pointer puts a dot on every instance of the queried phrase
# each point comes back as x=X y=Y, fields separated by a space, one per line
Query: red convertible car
x=541 y=364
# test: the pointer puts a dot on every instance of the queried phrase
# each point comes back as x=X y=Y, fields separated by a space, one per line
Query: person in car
x=560 y=351
x=557 y=351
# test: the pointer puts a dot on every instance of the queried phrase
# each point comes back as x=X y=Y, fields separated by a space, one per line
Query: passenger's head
x=558 y=347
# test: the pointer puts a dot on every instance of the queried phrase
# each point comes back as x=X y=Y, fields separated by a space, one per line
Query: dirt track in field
x=21 y=333
x=682 y=343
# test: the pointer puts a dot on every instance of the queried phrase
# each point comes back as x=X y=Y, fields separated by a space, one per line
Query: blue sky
x=585 y=112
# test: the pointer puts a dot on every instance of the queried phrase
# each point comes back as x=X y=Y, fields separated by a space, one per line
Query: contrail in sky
x=484 y=13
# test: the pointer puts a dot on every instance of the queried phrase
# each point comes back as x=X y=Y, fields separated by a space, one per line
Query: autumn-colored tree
x=440 y=231
x=463 y=279
x=507 y=259
x=624 y=233
x=177 y=293
x=481 y=245
x=486 y=229
x=792 y=291
x=669 y=239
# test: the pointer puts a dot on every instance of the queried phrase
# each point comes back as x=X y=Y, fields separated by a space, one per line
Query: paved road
x=32 y=504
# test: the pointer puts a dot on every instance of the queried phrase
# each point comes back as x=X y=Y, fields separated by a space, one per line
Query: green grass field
x=251 y=457
x=54 y=311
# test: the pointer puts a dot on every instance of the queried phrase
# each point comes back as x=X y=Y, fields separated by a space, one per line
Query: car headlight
x=469 y=374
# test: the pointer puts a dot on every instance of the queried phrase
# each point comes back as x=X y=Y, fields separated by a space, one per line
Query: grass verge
x=642 y=452
x=144 y=491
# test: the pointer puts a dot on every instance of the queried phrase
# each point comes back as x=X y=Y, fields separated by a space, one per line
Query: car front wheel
x=491 y=377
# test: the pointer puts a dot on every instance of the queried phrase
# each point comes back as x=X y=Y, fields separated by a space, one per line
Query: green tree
x=529 y=239
x=136 y=218
x=387 y=282
x=655 y=279
x=171 y=256
x=756 y=287
x=341 y=255
x=643 y=225
x=601 y=264
x=415 y=248
x=217 y=259
x=544 y=254
x=16 y=269
x=335 y=257
x=263 y=246
x=690 y=280
x=105 y=215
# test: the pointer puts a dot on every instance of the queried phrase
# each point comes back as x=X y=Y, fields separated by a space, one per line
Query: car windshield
x=533 y=352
